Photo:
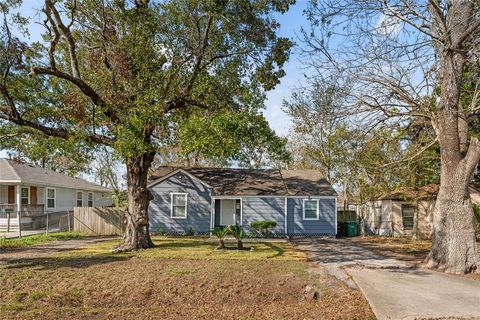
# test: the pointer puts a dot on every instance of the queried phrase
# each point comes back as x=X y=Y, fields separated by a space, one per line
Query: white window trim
x=76 y=198
x=318 y=210
x=28 y=195
x=171 y=204
x=54 y=198
x=93 y=199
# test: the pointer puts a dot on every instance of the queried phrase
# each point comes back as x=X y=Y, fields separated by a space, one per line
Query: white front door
x=227 y=212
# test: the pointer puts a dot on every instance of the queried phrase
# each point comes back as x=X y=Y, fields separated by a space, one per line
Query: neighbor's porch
x=20 y=200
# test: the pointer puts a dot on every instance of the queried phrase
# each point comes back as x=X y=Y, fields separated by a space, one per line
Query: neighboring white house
x=35 y=190
x=404 y=212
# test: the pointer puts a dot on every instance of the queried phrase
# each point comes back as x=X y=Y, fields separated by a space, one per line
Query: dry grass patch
x=402 y=248
x=180 y=278
x=37 y=239
x=197 y=249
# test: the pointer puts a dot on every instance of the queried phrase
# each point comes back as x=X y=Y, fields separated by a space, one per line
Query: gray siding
x=198 y=205
x=324 y=226
x=258 y=209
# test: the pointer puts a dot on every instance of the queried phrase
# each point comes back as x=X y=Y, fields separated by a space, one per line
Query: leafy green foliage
x=69 y=157
x=140 y=72
x=221 y=233
x=476 y=211
x=191 y=231
x=238 y=233
x=264 y=227
x=128 y=74
x=232 y=136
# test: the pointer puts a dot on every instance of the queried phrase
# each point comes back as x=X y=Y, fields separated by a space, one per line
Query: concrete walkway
x=393 y=288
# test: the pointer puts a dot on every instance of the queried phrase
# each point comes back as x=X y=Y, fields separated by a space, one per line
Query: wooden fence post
x=8 y=221
x=68 y=220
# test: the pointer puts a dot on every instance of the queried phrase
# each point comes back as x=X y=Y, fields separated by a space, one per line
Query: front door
x=227 y=212
x=33 y=196
x=11 y=194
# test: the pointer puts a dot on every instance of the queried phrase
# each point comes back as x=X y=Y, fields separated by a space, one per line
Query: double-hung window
x=24 y=196
x=90 y=199
x=79 y=199
x=408 y=214
x=311 y=210
x=179 y=205
x=51 y=198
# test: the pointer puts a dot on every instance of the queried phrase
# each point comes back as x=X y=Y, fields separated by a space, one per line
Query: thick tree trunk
x=137 y=235
x=454 y=248
x=239 y=244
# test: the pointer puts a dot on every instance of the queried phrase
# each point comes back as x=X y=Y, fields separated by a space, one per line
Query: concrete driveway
x=395 y=289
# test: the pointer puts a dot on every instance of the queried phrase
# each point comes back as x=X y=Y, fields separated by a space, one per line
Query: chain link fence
x=24 y=223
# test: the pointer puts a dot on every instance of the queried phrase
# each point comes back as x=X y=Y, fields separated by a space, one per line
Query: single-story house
x=33 y=190
x=302 y=202
x=404 y=212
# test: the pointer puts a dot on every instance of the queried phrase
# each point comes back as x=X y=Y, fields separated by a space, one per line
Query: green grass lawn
x=179 y=278
x=197 y=249
x=37 y=239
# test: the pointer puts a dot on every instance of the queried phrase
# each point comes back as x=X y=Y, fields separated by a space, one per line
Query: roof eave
x=174 y=172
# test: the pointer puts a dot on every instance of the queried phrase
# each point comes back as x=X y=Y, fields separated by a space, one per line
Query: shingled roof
x=253 y=182
x=16 y=172
x=428 y=191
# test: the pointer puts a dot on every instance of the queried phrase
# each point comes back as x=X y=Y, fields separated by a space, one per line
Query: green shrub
x=161 y=232
x=264 y=227
x=191 y=231
x=476 y=211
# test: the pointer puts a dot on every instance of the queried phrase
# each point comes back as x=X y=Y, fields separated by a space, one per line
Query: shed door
x=227 y=212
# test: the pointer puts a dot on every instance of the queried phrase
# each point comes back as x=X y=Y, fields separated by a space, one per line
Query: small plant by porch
x=236 y=231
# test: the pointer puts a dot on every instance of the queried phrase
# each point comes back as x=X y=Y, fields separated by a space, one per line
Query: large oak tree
x=408 y=59
x=124 y=73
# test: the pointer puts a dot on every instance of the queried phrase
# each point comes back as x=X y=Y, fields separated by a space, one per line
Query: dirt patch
x=414 y=251
x=46 y=249
x=144 y=285
x=399 y=248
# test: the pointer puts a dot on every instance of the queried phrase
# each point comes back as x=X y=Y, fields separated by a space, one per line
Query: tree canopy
x=126 y=75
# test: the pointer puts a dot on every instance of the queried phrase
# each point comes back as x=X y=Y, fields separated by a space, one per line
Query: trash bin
x=342 y=229
x=352 y=228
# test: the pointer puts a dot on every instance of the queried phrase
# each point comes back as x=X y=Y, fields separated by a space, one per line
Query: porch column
x=18 y=197
x=18 y=200
x=212 y=215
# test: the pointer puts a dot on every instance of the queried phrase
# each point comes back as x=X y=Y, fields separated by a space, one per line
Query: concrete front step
x=26 y=224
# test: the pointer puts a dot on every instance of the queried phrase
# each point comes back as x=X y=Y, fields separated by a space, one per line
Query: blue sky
x=290 y=25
